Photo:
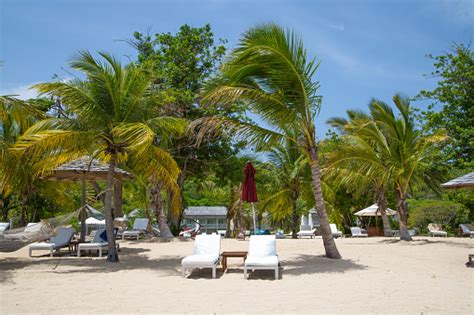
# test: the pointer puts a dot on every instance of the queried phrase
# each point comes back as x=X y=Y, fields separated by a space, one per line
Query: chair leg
x=245 y=273
x=30 y=251
x=78 y=252
x=100 y=252
x=214 y=272
x=51 y=253
x=183 y=271
x=276 y=273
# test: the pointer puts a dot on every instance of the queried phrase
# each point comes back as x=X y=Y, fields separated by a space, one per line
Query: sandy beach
x=376 y=275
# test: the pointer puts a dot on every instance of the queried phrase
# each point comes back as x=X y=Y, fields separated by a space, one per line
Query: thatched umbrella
x=466 y=181
x=86 y=168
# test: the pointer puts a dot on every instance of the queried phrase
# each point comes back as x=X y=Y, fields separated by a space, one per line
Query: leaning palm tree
x=271 y=73
x=111 y=118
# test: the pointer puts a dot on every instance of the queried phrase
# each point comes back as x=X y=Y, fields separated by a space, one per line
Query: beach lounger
x=4 y=226
x=207 y=250
x=466 y=230
x=306 y=230
x=262 y=254
x=436 y=230
x=99 y=242
x=62 y=239
x=335 y=232
x=139 y=228
x=357 y=232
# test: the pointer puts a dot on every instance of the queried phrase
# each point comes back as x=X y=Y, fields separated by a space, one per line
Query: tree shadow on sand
x=312 y=264
x=130 y=259
x=424 y=241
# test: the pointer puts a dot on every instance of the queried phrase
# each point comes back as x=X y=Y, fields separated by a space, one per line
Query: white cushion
x=268 y=261
x=262 y=245
x=91 y=245
x=439 y=233
x=201 y=260
x=42 y=245
x=207 y=245
x=306 y=233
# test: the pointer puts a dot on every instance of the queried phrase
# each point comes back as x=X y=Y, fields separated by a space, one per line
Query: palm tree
x=271 y=73
x=111 y=118
x=389 y=151
x=289 y=180
x=360 y=163
x=410 y=154
x=16 y=175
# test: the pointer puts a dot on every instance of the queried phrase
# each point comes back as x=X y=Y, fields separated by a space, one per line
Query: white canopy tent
x=373 y=211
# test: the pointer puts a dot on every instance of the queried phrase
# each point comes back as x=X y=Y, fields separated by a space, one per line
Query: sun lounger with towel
x=207 y=250
x=335 y=232
x=139 y=228
x=262 y=254
x=4 y=226
x=357 y=232
x=62 y=239
x=436 y=230
x=99 y=242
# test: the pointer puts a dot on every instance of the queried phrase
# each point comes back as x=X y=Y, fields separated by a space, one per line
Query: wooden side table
x=225 y=255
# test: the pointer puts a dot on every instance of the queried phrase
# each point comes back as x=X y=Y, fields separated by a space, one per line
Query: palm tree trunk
x=294 y=217
x=328 y=239
x=109 y=221
x=157 y=204
x=403 y=216
x=382 y=203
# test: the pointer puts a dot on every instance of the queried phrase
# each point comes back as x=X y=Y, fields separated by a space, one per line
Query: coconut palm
x=387 y=150
x=270 y=72
x=111 y=118
x=360 y=162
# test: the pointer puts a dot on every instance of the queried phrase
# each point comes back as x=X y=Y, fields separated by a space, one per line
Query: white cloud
x=23 y=92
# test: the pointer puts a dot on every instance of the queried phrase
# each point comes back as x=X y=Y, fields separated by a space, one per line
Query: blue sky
x=367 y=48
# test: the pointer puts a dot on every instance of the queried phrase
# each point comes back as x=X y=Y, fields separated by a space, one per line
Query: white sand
x=376 y=275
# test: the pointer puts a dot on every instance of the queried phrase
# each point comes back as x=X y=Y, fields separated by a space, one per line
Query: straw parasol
x=373 y=211
x=88 y=169
x=466 y=181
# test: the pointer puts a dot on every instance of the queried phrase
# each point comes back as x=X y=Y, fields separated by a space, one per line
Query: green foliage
x=448 y=213
x=455 y=92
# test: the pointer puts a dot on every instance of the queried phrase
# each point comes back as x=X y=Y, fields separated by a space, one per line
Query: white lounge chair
x=262 y=254
x=62 y=239
x=306 y=230
x=207 y=250
x=98 y=243
x=335 y=232
x=436 y=230
x=139 y=228
x=4 y=226
x=357 y=232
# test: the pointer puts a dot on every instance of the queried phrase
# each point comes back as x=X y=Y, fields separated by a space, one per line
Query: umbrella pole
x=254 y=220
x=83 y=205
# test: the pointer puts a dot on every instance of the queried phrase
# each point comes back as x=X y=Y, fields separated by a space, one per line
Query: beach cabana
x=88 y=169
x=374 y=212
x=466 y=181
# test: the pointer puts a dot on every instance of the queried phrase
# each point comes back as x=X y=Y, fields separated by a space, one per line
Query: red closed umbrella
x=249 y=190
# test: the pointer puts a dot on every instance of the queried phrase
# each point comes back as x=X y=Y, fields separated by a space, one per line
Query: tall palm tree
x=289 y=181
x=410 y=154
x=270 y=71
x=387 y=150
x=360 y=162
x=110 y=119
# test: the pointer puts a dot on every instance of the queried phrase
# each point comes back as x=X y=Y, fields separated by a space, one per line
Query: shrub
x=448 y=213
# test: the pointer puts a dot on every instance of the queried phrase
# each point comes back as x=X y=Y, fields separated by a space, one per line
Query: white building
x=210 y=218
